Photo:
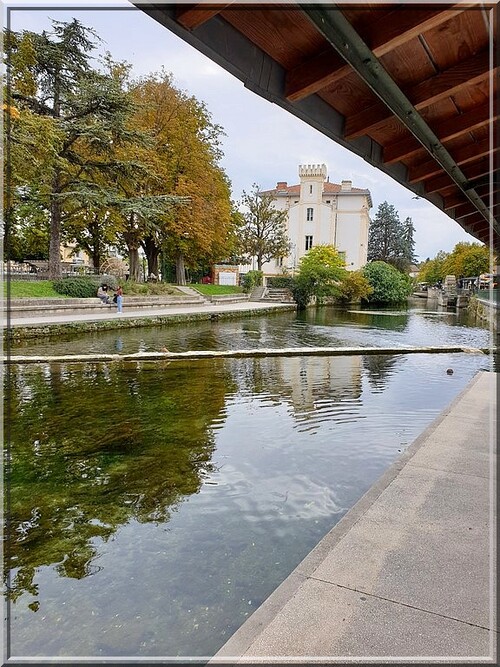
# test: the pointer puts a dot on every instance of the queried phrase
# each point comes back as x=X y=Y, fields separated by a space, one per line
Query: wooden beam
x=383 y=37
x=192 y=16
x=466 y=210
x=423 y=170
x=438 y=183
x=482 y=190
x=423 y=94
x=445 y=131
x=477 y=222
x=318 y=72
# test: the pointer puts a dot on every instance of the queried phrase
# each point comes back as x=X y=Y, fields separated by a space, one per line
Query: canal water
x=154 y=506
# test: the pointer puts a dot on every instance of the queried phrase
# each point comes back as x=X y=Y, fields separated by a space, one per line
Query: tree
x=433 y=270
x=467 y=259
x=51 y=76
x=263 y=234
x=183 y=159
x=390 y=240
x=321 y=271
x=388 y=284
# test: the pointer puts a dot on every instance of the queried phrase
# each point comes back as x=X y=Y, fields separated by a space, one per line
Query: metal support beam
x=337 y=30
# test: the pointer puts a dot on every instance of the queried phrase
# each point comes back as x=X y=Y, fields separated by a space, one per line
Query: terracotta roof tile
x=328 y=188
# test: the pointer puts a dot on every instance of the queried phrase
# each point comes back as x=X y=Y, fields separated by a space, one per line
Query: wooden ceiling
x=411 y=88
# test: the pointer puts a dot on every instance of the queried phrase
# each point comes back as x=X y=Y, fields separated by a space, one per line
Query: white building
x=319 y=213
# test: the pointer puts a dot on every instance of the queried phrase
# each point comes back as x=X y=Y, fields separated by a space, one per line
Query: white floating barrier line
x=253 y=353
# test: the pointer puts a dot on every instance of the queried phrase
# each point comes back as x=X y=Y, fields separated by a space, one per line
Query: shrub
x=354 y=287
x=389 y=285
x=154 y=289
x=321 y=270
x=81 y=288
x=281 y=282
x=252 y=279
x=302 y=292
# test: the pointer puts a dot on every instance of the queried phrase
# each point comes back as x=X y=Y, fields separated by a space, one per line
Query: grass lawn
x=31 y=289
x=215 y=290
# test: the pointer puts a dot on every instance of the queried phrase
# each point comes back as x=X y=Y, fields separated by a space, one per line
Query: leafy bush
x=321 y=271
x=281 y=282
x=80 y=288
x=302 y=292
x=389 y=285
x=252 y=279
x=354 y=287
x=144 y=289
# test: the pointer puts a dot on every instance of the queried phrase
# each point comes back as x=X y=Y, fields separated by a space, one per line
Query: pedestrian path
x=408 y=575
x=39 y=318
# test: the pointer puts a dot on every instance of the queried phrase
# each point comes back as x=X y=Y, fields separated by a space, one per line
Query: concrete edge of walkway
x=243 y=638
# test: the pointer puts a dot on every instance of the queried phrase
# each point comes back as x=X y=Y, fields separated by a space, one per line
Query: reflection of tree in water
x=93 y=447
x=379 y=367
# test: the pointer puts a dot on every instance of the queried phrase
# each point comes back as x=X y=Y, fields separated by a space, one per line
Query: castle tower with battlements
x=319 y=213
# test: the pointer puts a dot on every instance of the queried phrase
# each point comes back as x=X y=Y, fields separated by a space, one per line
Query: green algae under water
x=153 y=507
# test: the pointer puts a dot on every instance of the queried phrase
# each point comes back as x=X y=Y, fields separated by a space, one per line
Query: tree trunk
x=131 y=239
x=259 y=262
x=180 y=269
x=55 y=268
x=134 y=264
x=96 y=244
x=152 y=254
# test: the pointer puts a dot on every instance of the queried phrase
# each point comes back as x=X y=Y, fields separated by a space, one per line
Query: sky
x=263 y=143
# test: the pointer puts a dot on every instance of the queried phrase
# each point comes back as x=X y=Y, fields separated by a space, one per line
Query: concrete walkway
x=408 y=574
x=156 y=311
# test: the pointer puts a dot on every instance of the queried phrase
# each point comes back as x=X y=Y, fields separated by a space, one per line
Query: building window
x=309 y=216
x=328 y=201
x=296 y=201
x=279 y=262
x=309 y=242
x=310 y=189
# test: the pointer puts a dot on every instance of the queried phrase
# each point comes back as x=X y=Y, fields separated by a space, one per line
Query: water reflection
x=96 y=448
x=154 y=506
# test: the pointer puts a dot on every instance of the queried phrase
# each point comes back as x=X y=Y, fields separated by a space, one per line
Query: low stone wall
x=485 y=311
x=41 y=330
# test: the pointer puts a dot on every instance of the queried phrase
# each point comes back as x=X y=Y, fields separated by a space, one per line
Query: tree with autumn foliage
x=184 y=158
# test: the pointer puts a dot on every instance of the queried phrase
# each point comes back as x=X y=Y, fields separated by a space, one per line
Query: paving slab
x=409 y=572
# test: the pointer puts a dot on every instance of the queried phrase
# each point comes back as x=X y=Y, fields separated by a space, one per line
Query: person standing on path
x=119 y=299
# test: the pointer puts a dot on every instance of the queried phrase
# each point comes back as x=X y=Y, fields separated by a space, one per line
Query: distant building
x=319 y=213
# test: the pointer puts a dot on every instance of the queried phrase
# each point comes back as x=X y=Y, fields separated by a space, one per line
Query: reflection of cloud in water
x=270 y=498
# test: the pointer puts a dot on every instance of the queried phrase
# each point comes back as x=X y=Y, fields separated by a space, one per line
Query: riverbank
x=38 y=324
x=409 y=572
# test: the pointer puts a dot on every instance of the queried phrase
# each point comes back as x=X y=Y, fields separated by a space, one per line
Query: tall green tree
x=50 y=75
x=391 y=240
x=263 y=234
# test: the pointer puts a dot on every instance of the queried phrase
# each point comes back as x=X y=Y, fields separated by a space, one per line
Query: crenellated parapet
x=313 y=170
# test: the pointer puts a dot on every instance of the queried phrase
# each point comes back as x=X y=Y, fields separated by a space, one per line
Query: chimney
x=281 y=185
x=346 y=186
